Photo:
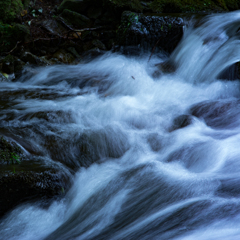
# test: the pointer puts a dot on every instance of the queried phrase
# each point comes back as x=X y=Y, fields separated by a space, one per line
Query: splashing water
x=155 y=158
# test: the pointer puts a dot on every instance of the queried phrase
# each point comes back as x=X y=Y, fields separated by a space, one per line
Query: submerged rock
x=87 y=148
x=181 y=122
x=218 y=114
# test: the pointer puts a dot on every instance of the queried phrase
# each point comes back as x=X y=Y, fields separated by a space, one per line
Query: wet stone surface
x=147 y=32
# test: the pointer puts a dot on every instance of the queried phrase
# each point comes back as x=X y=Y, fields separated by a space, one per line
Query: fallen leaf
x=77 y=34
x=5 y=75
x=24 y=12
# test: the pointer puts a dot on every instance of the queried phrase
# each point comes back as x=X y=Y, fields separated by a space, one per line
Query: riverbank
x=53 y=32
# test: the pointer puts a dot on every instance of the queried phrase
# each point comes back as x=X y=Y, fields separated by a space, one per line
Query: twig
x=7 y=53
x=48 y=39
x=154 y=48
x=77 y=30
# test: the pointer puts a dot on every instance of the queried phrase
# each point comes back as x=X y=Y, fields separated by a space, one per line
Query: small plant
x=9 y=151
x=14 y=157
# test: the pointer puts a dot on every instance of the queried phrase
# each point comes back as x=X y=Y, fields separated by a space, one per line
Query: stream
x=154 y=157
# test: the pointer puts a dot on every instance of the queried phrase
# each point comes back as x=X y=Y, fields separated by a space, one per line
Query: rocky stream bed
x=69 y=33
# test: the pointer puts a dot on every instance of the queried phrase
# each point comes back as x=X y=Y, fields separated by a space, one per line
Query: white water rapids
x=148 y=174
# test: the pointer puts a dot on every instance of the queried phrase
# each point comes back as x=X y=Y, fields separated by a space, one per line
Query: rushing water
x=142 y=172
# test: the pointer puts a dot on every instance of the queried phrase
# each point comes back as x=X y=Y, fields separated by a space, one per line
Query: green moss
x=10 y=9
x=10 y=34
x=9 y=151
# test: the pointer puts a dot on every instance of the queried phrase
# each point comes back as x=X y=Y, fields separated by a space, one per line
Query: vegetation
x=10 y=9
x=9 y=151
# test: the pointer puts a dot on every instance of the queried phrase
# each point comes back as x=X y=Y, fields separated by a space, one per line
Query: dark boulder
x=147 y=32
x=88 y=147
x=75 y=19
x=52 y=26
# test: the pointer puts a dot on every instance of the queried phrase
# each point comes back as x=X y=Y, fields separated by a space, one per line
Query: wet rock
x=155 y=142
x=97 y=43
x=229 y=187
x=22 y=179
x=87 y=148
x=165 y=67
x=163 y=32
x=20 y=186
x=91 y=54
x=33 y=59
x=181 y=121
x=105 y=143
x=218 y=114
x=64 y=56
x=75 y=19
x=211 y=109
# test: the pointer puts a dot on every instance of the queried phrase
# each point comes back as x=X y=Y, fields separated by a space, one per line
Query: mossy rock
x=11 y=34
x=10 y=152
x=75 y=19
x=10 y=9
x=25 y=177
x=21 y=186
